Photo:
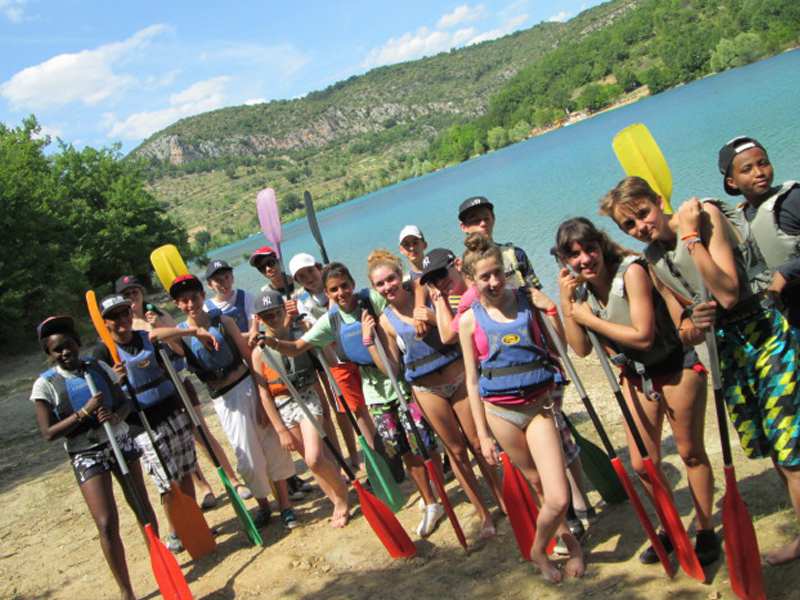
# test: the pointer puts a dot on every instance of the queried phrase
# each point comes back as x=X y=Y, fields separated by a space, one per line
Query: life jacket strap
x=151 y=384
x=491 y=373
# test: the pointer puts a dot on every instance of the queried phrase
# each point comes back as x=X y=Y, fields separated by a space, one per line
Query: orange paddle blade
x=190 y=524
x=673 y=525
x=385 y=525
x=522 y=523
x=99 y=325
x=169 y=577
x=436 y=477
x=741 y=544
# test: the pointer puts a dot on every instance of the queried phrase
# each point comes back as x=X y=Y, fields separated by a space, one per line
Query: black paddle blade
x=598 y=469
x=311 y=215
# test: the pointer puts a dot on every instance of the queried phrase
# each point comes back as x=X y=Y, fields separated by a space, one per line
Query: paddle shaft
x=313 y=225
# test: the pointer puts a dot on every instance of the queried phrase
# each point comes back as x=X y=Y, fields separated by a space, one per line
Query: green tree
x=520 y=131
x=741 y=50
x=497 y=137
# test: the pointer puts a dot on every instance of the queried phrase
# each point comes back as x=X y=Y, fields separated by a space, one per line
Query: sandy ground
x=49 y=548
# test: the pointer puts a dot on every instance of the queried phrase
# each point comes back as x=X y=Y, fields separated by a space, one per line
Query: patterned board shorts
x=292 y=414
x=175 y=439
x=399 y=440
x=758 y=359
x=90 y=463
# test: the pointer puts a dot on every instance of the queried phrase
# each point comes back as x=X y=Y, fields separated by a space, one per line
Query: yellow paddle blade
x=168 y=264
x=639 y=155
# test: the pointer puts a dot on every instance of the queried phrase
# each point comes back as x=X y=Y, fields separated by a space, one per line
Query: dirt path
x=49 y=549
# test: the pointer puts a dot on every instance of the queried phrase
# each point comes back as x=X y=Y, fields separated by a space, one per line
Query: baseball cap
x=435 y=260
x=125 y=282
x=215 y=266
x=55 y=324
x=267 y=300
x=114 y=301
x=301 y=261
x=471 y=203
x=260 y=253
x=183 y=283
x=410 y=230
x=728 y=152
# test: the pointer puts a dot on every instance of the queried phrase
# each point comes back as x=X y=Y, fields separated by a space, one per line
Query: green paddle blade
x=383 y=484
x=241 y=510
x=598 y=469
x=639 y=154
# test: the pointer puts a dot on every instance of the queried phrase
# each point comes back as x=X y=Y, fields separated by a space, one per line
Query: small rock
x=714 y=595
x=326 y=568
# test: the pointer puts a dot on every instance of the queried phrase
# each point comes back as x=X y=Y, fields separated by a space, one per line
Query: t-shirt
x=312 y=305
x=45 y=391
x=224 y=305
x=376 y=386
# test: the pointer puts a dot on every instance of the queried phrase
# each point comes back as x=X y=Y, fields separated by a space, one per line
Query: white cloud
x=46 y=130
x=87 y=76
x=254 y=101
x=199 y=97
x=284 y=58
x=510 y=25
x=13 y=10
x=560 y=17
x=461 y=14
x=424 y=42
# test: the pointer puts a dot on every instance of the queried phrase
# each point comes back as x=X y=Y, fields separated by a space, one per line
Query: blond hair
x=626 y=197
x=479 y=247
x=381 y=257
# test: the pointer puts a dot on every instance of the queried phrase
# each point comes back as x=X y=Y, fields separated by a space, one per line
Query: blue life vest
x=148 y=380
x=236 y=312
x=349 y=347
x=516 y=364
x=211 y=365
x=73 y=392
x=422 y=357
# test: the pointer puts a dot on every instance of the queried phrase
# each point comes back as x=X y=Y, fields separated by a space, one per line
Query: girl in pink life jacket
x=510 y=377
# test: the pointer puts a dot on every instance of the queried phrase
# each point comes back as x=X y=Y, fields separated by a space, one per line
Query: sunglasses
x=269 y=263
x=411 y=245
x=119 y=314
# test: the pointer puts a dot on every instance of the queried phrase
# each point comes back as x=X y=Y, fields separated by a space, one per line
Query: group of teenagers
x=469 y=338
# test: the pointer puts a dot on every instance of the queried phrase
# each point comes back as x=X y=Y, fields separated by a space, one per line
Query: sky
x=95 y=72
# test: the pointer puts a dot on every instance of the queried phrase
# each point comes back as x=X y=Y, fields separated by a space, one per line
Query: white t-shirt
x=224 y=305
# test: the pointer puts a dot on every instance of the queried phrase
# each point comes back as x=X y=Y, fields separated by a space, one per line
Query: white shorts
x=292 y=414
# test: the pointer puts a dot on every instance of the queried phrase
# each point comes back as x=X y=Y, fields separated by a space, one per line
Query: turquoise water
x=538 y=183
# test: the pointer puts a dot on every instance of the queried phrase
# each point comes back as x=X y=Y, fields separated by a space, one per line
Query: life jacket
x=299 y=369
x=421 y=357
x=516 y=364
x=236 y=311
x=676 y=268
x=73 y=393
x=148 y=380
x=309 y=300
x=511 y=266
x=766 y=245
x=212 y=365
x=349 y=347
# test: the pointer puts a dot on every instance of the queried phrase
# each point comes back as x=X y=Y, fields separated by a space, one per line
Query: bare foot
x=784 y=554
x=487 y=530
x=549 y=570
x=341 y=515
x=575 y=565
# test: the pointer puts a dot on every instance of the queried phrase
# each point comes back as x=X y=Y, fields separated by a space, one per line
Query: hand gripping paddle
x=169 y=577
x=385 y=525
x=184 y=514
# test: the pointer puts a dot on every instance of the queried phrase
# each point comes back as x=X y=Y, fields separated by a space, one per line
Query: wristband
x=551 y=312
x=368 y=342
x=691 y=234
x=690 y=242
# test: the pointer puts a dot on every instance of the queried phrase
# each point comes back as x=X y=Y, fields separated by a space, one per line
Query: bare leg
x=99 y=496
x=200 y=479
x=575 y=478
x=149 y=515
x=215 y=446
x=791 y=551
x=342 y=421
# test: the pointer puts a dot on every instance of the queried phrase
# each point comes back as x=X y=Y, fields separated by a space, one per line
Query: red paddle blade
x=673 y=525
x=741 y=544
x=169 y=577
x=448 y=508
x=533 y=508
x=523 y=524
x=190 y=524
x=636 y=502
x=385 y=525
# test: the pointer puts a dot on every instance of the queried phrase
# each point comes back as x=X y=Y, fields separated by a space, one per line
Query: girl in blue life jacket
x=510 y=379
x=66 y=409
x=661 y=375
x=351 y=327
x=435 y=372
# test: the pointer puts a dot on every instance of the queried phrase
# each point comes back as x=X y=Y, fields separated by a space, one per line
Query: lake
x=538 y=183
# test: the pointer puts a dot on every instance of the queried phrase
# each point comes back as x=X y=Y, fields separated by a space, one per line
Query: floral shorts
x=292 y=414
x=398 y=440
x=90 y=463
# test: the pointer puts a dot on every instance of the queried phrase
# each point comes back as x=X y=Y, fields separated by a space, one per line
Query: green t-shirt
x=376 y=386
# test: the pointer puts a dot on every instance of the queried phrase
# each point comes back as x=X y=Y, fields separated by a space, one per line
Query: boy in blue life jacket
x=233 y=302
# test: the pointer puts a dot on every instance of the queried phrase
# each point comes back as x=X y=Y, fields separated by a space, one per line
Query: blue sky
x=98 y=72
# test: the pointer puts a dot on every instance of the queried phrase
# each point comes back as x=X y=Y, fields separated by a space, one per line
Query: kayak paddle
x=433 y=473
x=168 y=264
x=639 y=154
x=741 y=543
x=184 y=514
x=378 y=472
x=270 y=219
x=383 y=522
x=662 y=500
x=238 y=504
x=313 y=225
x=169 y=577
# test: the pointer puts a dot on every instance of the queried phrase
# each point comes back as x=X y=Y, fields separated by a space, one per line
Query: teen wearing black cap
x=66 y=409
x=769 y=219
